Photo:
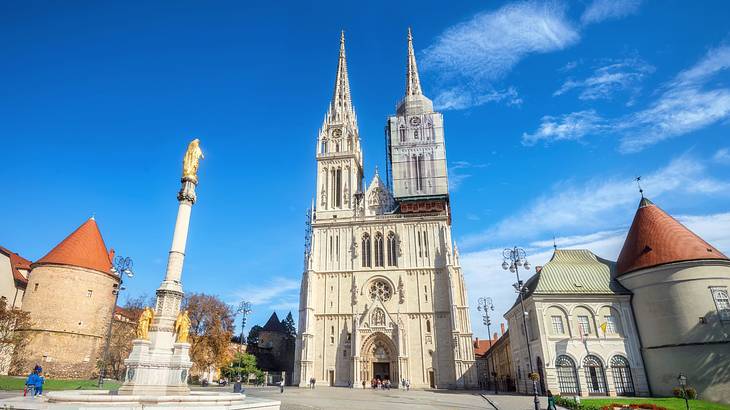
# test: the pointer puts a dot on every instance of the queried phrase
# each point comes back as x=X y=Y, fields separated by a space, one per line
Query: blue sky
x=551 y=109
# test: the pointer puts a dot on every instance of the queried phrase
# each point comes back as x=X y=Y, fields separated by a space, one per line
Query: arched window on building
x=366 y=251
x=402 y=133
x=428 y=326
x=379 y=259
x=622 y=376
x=392 y=250
x=595 y=377
x=323 y=147
x=567 y=376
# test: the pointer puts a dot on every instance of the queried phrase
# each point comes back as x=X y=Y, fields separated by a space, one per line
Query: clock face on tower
x=337 y=133
x=415 y=121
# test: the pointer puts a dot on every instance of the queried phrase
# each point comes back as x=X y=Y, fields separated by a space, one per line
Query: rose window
x=380 y=290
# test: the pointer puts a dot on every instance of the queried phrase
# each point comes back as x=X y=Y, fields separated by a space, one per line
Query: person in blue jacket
x=36 y=380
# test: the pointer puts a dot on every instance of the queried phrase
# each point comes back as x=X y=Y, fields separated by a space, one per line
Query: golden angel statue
x=143 y=325
x=182 y=327
x=191 y=161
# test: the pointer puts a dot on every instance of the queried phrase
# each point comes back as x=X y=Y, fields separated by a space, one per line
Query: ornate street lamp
x=513 y=259
x=485 y=305
x=682 y=379
x=122 y=266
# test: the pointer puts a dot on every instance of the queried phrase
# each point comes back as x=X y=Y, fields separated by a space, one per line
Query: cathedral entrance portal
x=381 y=371
x=379 y=358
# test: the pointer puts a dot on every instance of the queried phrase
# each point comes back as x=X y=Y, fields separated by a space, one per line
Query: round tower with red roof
x=70 y=296
x=680 y=289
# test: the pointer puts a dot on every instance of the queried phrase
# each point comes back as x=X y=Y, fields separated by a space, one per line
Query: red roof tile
x=481 y=347
x=84 y=248
x=655 y=238
x=17 y=262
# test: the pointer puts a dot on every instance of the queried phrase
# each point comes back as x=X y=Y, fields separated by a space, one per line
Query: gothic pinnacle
x=413 y=84
x=341 y=106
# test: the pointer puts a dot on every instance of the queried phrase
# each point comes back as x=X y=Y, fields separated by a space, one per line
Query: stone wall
x=70 y=309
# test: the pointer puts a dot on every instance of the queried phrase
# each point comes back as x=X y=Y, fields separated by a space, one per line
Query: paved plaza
x=331 y=398
x=334 y=398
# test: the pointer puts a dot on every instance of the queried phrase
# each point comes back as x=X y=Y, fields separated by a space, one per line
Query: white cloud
x=470 y=55
x=684 y=106
x=601 y=10
x=277 y=291
x=600 y=203
x=459 y=98
x=570 y=127
x=458 y=173
x=610 y=79
x=722 y=156
x=485 y=277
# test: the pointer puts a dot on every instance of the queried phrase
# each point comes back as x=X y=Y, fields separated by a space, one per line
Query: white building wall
x=548 y=346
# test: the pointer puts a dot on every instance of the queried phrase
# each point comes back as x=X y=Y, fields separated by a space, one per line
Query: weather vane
x=638 y=183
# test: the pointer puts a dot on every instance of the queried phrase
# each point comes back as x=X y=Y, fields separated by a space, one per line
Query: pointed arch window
x=428 y=326
x=366 y=251
x=402 y=133
x=392 y=250
x=379 y=250
x=323 y=147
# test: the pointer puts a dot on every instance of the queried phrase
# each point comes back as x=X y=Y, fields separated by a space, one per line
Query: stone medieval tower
x=680 y=299
x=70 y=300
x=382 y=293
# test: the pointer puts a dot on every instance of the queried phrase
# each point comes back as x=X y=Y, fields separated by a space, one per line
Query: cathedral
x=382 y=293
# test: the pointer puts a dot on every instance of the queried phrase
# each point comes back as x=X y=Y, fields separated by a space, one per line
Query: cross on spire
x=413 y=84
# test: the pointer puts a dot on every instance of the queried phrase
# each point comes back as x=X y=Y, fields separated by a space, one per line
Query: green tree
x=253 y=335
x=243 y=365
x=291 y=330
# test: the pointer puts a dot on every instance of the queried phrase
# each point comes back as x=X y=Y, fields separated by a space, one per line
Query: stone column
x=170 y=293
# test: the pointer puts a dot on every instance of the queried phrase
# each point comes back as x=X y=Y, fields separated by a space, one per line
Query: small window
x=89 y=293
x=35 y=287
x=584 y=325
x=344 y=353
x=722 y=302
x=349 y=337
x=558 y=328
x=428 y=326
x=610 y=324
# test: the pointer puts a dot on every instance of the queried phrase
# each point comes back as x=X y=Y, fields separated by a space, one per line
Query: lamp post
x=244 y=308
x=122 y=266
x=513 y=259
x=485 y=305
x=682 y=379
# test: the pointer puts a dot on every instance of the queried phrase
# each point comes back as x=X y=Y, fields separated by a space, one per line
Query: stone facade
x=382 y=294
x=70 y=309
x=567 y=303
x=681 y=328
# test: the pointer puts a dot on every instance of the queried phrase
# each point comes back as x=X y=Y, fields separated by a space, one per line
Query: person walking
x=363 y=384
x=551 y=401
x=281 y=385
x=408 y=385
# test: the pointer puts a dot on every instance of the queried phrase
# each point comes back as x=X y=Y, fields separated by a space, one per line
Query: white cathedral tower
x=382 y=293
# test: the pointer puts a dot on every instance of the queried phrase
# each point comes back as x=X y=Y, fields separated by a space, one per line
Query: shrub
x=691 y=393
x=677 y=392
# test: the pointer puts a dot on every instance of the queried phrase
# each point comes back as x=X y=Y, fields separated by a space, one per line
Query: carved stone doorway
x=379 y=358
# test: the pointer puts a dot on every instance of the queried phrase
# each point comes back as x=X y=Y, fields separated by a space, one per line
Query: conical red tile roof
x=655 y=238
x=84 y=247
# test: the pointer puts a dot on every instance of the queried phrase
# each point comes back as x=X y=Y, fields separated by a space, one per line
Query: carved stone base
x=157 y=372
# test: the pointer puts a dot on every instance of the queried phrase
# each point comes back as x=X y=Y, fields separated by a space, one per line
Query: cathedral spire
x=341 y=105
x=413 y=84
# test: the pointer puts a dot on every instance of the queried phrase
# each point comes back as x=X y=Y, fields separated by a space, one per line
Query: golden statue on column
x=191 y=160
x=143 y=325
x=182 y=327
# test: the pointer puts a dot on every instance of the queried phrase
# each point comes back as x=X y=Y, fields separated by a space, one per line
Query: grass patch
x=671 y=403
x=18 y=383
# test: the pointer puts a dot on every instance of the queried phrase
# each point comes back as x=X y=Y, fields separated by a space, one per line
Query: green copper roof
x=575 y=271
